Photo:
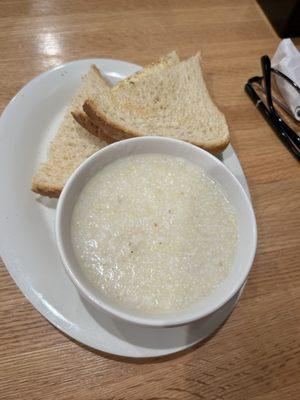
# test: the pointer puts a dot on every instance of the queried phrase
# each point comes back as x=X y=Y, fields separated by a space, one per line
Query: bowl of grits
x=155 y=231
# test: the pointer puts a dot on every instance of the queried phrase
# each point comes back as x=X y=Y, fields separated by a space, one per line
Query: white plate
x=27 y=240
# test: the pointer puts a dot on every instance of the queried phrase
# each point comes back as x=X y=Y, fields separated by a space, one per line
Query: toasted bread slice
x=171 y=102
x=71 y=145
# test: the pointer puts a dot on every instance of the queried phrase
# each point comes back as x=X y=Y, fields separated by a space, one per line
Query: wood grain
x=256 y=354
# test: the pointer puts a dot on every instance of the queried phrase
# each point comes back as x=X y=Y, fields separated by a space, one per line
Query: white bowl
x=247 y=234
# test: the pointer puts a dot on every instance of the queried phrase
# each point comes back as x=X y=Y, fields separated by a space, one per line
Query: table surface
x=256 y=354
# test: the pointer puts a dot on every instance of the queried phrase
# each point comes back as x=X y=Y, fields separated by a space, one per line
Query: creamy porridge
x=152 y=232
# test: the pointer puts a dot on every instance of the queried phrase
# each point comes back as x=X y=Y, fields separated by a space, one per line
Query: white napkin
x=287 y=60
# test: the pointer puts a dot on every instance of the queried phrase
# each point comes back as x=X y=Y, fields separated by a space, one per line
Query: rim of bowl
x=168 y=320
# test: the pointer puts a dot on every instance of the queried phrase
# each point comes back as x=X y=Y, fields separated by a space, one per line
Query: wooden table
x=256 y=354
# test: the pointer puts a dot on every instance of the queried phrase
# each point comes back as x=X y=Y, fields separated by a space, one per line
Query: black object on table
x=284 y=15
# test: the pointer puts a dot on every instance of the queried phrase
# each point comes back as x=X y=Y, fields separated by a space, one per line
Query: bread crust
x=44 y=189
x=82 y=119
